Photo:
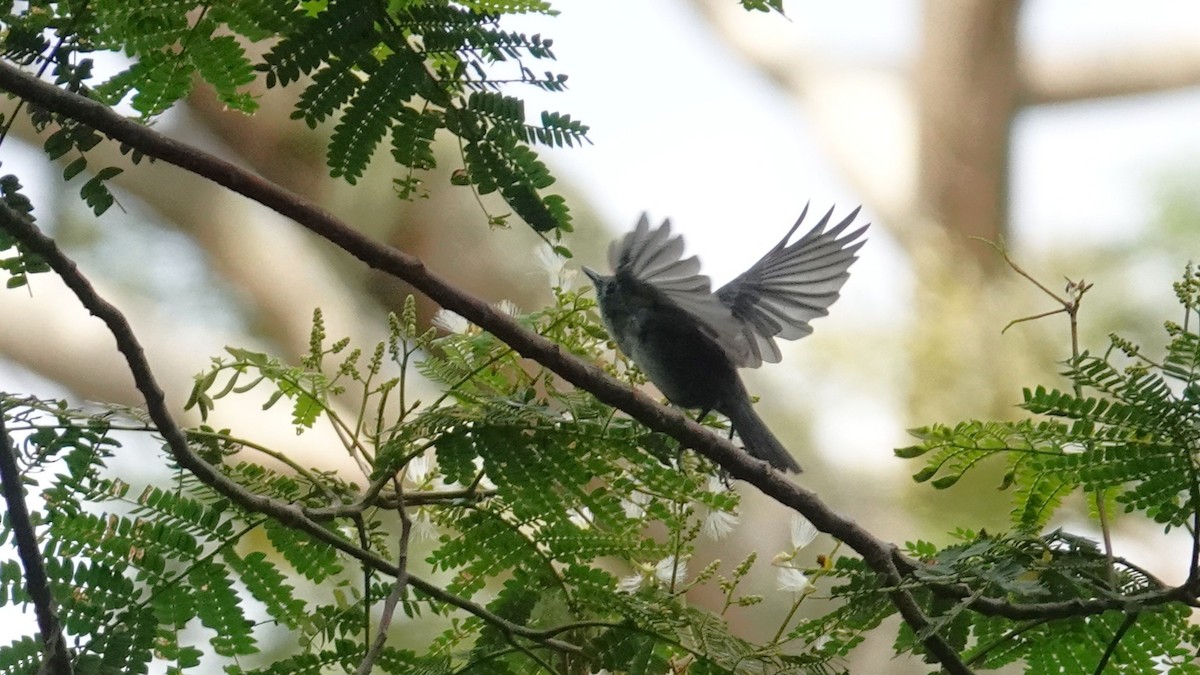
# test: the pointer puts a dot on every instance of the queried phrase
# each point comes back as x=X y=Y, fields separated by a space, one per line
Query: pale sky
x=656 y=84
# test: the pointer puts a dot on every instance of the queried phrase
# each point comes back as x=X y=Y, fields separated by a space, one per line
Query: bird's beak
x=592 y=274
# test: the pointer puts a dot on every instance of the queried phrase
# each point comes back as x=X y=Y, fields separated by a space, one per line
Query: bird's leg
x=721 y=472
x=699 y=420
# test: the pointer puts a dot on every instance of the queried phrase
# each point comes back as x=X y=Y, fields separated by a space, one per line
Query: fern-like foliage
x=524 y=496
x=544 y=520
x=538 y=529
x=1125 y=433
x=1128 y=428
x=1021 y=569
x=399 y=70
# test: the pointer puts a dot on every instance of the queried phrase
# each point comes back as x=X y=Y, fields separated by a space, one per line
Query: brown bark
x=966 y=97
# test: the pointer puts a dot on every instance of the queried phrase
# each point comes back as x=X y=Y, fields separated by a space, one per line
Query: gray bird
x=690 y=341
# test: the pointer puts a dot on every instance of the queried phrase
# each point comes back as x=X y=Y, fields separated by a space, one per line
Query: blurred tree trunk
x=966 y=96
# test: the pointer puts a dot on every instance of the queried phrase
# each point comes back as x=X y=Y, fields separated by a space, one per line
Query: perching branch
x=876 y=552
x=881 y=556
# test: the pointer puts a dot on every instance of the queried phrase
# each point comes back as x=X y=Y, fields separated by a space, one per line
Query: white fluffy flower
x=631 y=583
x=567 y=278
x=420 y=468
x=792 y=579
x=508 y=307
x=554 y=265
x=803 y=532
x=451 y=322
x=548 y=260
x=717 y=524
x=423 y=527
x=671 y=569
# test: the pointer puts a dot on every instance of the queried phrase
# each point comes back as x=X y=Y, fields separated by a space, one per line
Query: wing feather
x=655 y=257
x=777 y=297
x=790 y=286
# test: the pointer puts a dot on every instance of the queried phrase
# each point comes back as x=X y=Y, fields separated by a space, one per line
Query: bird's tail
x=755 y=435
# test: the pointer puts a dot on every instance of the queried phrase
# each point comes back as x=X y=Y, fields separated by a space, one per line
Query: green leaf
x=369 y=115
x=74 y=168
x=221 y=61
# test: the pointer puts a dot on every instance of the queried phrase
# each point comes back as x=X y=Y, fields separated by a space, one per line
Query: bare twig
x=1130 y=619
x=983 y=650
x=1193 y=578
x=1033 y=317
x=372 y=500
x=398 y=588
x=1070 y=307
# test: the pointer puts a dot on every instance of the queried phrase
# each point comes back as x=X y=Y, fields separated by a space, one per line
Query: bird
x=690 y=342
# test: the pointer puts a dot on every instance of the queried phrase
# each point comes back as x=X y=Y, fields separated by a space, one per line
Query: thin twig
x=1130 y=619
x=280 y=457
x=1193 y=578
x=371 y=499
x=364 y=542
x=1034 y=317
x=1003 y=251
x=983 y=650
x=401 y=583
x=37 y=584
x=1070 y=307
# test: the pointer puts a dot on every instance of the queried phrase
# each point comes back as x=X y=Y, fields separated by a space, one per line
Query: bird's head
x=605 y=285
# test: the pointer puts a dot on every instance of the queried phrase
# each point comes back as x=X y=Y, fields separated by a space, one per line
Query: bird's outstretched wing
x=790 y=286
x=655 y=257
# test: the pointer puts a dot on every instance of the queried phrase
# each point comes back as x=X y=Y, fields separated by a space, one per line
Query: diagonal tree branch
x=879 y=554
x=286 y=514
x=54 y=644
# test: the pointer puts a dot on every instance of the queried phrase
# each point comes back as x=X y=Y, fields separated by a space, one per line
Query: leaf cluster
x=18 y=265
x=526 y=497
x=1126 y=434
x=399 y=70
x=537 y=507
x=1128 y=428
